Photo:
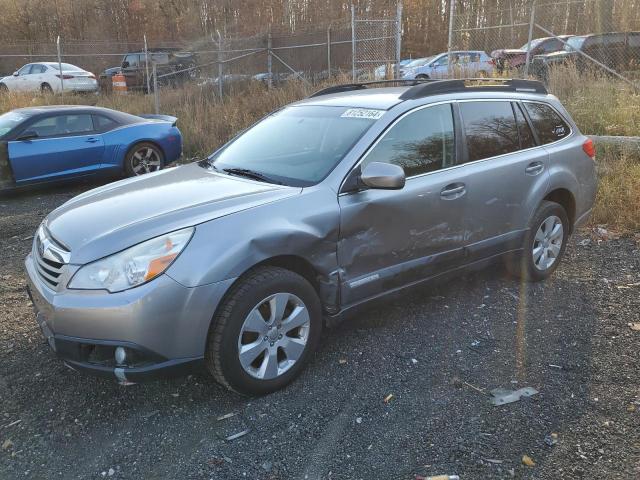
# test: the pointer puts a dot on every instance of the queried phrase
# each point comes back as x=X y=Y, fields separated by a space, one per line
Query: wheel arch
x=567 y=200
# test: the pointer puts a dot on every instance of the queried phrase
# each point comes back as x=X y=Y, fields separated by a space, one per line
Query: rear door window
x=490 y=129
x=421 y=142
x=549 y=126
x=104 y=124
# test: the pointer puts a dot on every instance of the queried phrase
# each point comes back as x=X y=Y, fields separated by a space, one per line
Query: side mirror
x=383 y=176
x=15 y=74
x=125 y=64
x=28 y=135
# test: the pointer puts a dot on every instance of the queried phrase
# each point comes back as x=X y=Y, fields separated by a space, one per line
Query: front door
x=392 y=238
x=66 y=145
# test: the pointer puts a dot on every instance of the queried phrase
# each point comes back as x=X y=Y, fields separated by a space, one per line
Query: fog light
x=121 y=356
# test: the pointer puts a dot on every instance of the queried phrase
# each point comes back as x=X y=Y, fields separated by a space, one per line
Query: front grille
x=50 y=258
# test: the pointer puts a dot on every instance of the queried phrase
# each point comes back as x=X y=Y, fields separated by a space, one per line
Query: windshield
x=574 y=43
x=534 y=44
x=9 y=121
x=296 y=146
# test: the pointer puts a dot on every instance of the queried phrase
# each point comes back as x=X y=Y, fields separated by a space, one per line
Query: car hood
x=116 y=216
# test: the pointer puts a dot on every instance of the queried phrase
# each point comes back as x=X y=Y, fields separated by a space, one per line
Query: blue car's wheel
x=143 y=158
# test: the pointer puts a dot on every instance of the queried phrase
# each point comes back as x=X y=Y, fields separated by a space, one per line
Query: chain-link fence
x=376 y=45
x=364 y=48
x=535 y=39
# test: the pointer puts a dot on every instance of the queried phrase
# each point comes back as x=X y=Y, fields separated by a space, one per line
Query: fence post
x=452 y=12
x=398 y=39
x=146 y=63
x=60 y=67
x=156 y=94
x=220 y=79
x=269 y=61
x=532 y=22
x=353 y=43
x=329 y=51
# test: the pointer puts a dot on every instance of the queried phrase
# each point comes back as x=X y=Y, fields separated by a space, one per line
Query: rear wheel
x=46 y=88
x=264 y=331
x=143 y=158
x=544 y=244
x=3 y=88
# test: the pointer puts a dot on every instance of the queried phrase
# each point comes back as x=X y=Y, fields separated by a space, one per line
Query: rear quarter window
x=549 y=126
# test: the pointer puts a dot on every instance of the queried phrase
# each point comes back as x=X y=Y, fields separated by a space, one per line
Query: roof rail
x=474 y=85
x=347 y=87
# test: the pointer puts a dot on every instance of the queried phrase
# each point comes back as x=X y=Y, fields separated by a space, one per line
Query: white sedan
x=46 y=77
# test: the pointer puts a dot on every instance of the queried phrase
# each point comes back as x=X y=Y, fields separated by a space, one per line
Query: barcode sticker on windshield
x=363 y=113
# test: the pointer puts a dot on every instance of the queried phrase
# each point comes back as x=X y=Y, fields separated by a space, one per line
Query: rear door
x=505 y=171
x=66 y=146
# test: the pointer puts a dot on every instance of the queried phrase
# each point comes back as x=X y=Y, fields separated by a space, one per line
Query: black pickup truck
x=173 y=66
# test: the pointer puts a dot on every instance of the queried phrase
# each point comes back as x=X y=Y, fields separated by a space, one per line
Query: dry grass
x=618 y=199
x=598 y=104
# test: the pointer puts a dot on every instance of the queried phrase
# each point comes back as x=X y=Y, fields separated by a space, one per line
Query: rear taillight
x=589 y=148
x=92 y=76
x=65 y=77
x=492 y=61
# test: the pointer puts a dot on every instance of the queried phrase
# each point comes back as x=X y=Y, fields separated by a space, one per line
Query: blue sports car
x=44 y=144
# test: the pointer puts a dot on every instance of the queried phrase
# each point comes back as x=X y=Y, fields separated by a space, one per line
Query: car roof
x=378 y=98
x=384 y=98
x=62 y=109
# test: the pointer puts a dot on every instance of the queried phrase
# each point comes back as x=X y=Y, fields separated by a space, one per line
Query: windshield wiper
x=245 y=172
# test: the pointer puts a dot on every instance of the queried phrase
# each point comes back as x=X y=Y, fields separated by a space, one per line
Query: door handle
x=453 y=191
x=534 y=168
x=91 y=140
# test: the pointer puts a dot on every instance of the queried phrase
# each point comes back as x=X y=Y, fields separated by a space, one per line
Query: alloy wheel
x=274 y=336
x=145 y=160
x=547 y=243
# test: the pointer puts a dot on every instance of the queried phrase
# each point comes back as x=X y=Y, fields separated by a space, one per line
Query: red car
x=516 y=57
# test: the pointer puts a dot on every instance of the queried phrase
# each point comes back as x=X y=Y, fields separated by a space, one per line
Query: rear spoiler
x=163 y=118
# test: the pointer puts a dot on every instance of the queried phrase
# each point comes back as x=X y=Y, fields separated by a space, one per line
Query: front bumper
x=162 y=325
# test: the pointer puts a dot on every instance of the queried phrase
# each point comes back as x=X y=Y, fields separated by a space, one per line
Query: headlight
x=134 y=266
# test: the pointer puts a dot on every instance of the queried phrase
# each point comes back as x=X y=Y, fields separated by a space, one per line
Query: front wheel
x=143 y=158
x=422 y=77
x=544 y=244
x=3 y=88
x=264 y=331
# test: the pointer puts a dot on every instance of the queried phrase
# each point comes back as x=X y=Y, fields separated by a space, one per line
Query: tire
x=483 y=74
x=46 y=88
x=3 y=88
x=540 y=265
x=143 y=157
x=422 y=76
x=236 y=324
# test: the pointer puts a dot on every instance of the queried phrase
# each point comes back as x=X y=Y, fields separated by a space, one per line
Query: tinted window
x=297 y=145
x=547 y=123
x=62 y=125
x=490 y=128
x=526 y=136
x=421 y=142
x=132 y=59
x=65 y=66
x=103 y=124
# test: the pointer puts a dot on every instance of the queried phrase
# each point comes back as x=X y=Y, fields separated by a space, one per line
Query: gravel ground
x=437 y=350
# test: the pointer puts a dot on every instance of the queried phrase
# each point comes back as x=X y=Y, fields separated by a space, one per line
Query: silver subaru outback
x=238 y=261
